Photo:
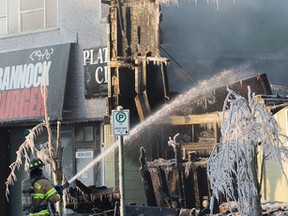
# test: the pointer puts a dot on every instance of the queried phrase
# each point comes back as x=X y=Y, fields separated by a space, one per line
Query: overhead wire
x=178 y=64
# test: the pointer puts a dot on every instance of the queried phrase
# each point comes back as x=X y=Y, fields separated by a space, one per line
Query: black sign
x=96 y=72
x=23 y=75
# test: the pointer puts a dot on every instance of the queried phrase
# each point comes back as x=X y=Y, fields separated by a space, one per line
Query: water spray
x=92 y=163
x=200 y=89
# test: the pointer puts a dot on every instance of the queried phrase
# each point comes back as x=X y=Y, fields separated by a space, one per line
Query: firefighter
x=44 y=193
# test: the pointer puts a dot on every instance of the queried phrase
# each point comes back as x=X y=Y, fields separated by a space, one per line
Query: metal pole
x=121 y=177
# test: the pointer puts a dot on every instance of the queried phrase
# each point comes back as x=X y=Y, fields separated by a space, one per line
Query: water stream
x=202 y=89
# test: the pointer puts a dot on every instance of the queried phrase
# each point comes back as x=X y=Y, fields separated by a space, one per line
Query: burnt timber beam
x=146 y=178
x=175 y=143
x=208 y=118
x=141 y=99
x=142 y=105
x=165 y=80
x=119 y=64
x=270 y=101
x=112 y=47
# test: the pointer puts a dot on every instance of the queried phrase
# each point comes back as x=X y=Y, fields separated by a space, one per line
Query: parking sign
x=120 y=122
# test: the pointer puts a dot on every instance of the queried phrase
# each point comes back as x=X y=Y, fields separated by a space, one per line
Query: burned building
x=138 y=72
x=92 y=65
x=110 y=53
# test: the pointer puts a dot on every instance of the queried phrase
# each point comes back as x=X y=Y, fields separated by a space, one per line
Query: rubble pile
x=91 y=199
x=269 y=208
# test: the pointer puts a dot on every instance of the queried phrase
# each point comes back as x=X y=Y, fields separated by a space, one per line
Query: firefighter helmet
x=35 y=164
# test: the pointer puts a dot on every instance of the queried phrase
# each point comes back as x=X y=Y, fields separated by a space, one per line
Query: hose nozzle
x=65 y=185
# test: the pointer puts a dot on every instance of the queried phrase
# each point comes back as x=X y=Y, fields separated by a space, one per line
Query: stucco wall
x=80 y=22
x=275 y=182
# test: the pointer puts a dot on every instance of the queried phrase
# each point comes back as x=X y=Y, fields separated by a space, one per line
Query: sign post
x=120 y=128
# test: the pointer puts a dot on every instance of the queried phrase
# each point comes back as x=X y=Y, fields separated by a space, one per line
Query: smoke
x=207 y=38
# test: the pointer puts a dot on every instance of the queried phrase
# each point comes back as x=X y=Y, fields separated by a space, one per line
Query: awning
x=23 y=72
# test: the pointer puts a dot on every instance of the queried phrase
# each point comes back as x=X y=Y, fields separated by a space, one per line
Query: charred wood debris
x=177 y=186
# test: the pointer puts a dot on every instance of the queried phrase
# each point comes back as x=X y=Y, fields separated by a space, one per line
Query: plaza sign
x=96 y=72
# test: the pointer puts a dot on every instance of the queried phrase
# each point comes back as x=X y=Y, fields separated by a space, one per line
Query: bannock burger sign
x=23 y=73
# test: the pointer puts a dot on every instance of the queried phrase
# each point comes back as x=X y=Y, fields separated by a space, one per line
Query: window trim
x=7 y=17
x=19 y=20
x=84 y=142
x=19 y=34
x=40 y=9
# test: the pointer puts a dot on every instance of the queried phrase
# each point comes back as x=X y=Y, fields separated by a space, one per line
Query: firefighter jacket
x=44 y=193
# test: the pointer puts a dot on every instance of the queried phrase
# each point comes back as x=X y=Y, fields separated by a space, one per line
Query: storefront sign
x=24 y=73
x=96 y=72
x=84 y=154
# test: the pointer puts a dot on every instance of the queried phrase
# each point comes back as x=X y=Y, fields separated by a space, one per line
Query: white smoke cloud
x=206 y=39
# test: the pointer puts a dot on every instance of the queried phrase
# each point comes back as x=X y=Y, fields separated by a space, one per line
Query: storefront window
x=84 y=156
x=3 y=21
x=87 y=147
x=3 y=17
x=84 y=133
x=32 y=4
x=18 y=16
x=51 y=8
x=38 y=23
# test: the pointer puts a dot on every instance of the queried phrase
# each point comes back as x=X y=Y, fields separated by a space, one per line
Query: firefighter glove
x=59 y=189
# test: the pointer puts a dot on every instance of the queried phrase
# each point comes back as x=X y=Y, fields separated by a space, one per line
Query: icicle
x=247 y=126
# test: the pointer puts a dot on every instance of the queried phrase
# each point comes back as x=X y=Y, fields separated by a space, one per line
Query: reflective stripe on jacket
x=41 y=213
x=44 y=192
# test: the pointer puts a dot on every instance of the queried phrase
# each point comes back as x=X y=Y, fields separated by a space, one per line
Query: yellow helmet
x=35 y=164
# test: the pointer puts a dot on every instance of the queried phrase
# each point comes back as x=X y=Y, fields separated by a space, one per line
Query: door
x=87 y=148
